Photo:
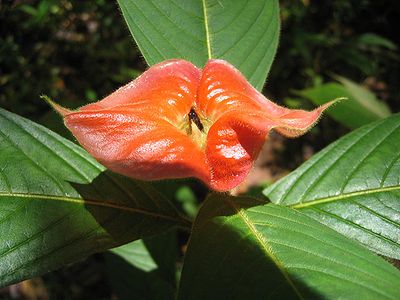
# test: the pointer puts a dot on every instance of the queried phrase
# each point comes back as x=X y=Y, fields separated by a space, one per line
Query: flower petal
x=135 y=131
x=297 y=122
x=168 y=89
x=236 y=139
x=136 y=144
x=242 y=119
x=233 y=143
x=223 y=88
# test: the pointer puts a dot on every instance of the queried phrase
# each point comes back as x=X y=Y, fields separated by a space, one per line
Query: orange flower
x=177 y=121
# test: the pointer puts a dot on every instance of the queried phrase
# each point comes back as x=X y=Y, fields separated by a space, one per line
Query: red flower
x=177 y=120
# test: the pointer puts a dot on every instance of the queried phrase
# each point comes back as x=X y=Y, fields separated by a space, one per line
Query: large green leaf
x=352 y=186
x=245 y=33
x=58 y=205
x=241 y=249
x=360 y=108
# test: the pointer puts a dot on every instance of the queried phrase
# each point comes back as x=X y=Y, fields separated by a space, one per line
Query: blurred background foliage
x=73 y=51
x=355 y=39
x=80 y=51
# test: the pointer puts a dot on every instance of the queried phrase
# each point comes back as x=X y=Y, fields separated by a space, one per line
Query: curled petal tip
x=58 y=108
x=336 y=101
x=298 y=122
x=331 y=103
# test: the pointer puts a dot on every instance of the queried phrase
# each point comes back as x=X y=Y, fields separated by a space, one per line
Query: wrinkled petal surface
x=243 y=117
x=165 y=90
x=134 y=130
x=147 y=129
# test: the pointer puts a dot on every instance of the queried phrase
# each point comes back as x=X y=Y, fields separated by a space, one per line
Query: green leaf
x=241 y=249
x=136 y=254
x=145 y=269
x=372 y=39
x=164 y=250
x=362 y=107
x=58 y=205
x=188 y=200
x=364 y=97
x=353 y=186
x=245 y=33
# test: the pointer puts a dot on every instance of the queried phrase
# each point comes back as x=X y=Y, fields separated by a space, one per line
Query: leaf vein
x=44 y=171
x=349 y=222
x=345 y=196
x=264 y=244
x=188 y=33
x=330 y=273
x=326 y=152
x=92 y=202
x=366 y=156
x=332 y=164
x=208 y=37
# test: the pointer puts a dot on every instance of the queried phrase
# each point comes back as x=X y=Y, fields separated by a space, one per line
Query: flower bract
x=177 y=120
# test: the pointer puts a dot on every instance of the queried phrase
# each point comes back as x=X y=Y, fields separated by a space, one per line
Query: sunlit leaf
x=353 y=186
x=136 y=254
x=243 y=249
x=58 y=205
x=245 y=33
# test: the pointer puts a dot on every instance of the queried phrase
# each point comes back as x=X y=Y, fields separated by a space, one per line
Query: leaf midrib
x=30 y=262
x=43 y=130
x=206 y=25
x=79 y=201
x=264 y=245
x=345 y=196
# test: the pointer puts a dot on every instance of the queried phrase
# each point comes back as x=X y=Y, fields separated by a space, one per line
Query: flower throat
x=193 y=117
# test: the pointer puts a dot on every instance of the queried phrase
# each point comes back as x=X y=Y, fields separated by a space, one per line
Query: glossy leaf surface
x=58 y=205
x=245 y=33
x=353 y=186
x=361 y=106
x=243 y=249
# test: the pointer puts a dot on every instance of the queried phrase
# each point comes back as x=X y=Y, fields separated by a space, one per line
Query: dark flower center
x=193 y=117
